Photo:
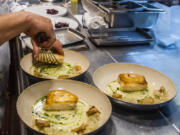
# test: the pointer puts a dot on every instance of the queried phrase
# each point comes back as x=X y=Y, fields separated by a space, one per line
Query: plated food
x=53 y=68
x=134 y=86
x=64 y=22
x=52 y=11
x=63 y=107
x=47 y=10
x=73 y=64
x=135 y=89
x=61 y=112
x=61 y=25
x=51 y=71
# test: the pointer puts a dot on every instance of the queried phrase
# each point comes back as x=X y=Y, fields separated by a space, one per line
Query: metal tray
x=119 y=7
x=128 y=6
x=110 y=1
x=67 y=36
x=150 y=8
x=118 y=37
x=131 y=14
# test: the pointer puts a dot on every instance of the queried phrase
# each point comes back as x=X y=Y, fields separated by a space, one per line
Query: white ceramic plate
x=110 y=72
x=85 y=92
x=72 y=23
x=72 y=57
x=42 y=10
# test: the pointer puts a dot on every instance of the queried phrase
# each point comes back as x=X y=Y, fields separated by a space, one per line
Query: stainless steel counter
x=164 y=121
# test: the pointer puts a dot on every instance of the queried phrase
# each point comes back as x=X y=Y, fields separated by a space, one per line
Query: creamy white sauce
x=64 y=121
x=114 y=87
x=54 y=71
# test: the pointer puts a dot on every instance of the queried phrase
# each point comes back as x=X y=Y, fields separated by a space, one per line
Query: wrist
x=27 y=20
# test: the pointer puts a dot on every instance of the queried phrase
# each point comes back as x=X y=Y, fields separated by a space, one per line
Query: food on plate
x=146 y=100
x=80 y=128
x=92 y=110
x=135 y=89
x=58 y=100
x=116 y=95
x=60 y=71
x=46 y=58
x=40 y=122
x=61 y=25
x=132 y=82
x=80 y=119
x=52 y=11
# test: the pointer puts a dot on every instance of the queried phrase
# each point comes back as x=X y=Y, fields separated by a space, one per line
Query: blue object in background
x=167 y=28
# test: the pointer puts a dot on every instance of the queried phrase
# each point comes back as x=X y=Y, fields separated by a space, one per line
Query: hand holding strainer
x=47 y=55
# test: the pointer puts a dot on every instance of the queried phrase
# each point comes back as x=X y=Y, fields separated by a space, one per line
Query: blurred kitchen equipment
x=166 y=28
x=28 y=2
x=175 y=20
x=125 y=13
x=120 y=36
x=109 y=1
x=129 y=22
x=67 y=36
x=131 y=14
x=94 y=22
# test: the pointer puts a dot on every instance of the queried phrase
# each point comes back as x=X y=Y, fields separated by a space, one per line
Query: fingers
x=47 y=44
x=58 y=46
x=40 y=24
x=50 y=34
x=35 y=49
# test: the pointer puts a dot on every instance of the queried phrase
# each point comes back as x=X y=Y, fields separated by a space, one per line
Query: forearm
x=12 y=24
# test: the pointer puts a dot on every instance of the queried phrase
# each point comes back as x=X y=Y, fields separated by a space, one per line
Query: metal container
x=120 y=36
x=130 y=14
x=144 y=19
x=110 y=1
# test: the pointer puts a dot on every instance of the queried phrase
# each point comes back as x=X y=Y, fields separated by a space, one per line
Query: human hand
x=56 y=45
x=39 y=24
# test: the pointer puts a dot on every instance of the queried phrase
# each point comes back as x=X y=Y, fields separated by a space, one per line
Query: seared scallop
x=132 y=82
x=60 y=100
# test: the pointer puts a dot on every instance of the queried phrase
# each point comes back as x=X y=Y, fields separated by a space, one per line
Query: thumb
x=35 y=49
x=58 y=46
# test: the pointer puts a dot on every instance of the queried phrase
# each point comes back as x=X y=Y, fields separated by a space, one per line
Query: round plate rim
x=56 y=79
x=135 y=104
x=71 y=81
x=50 y=6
